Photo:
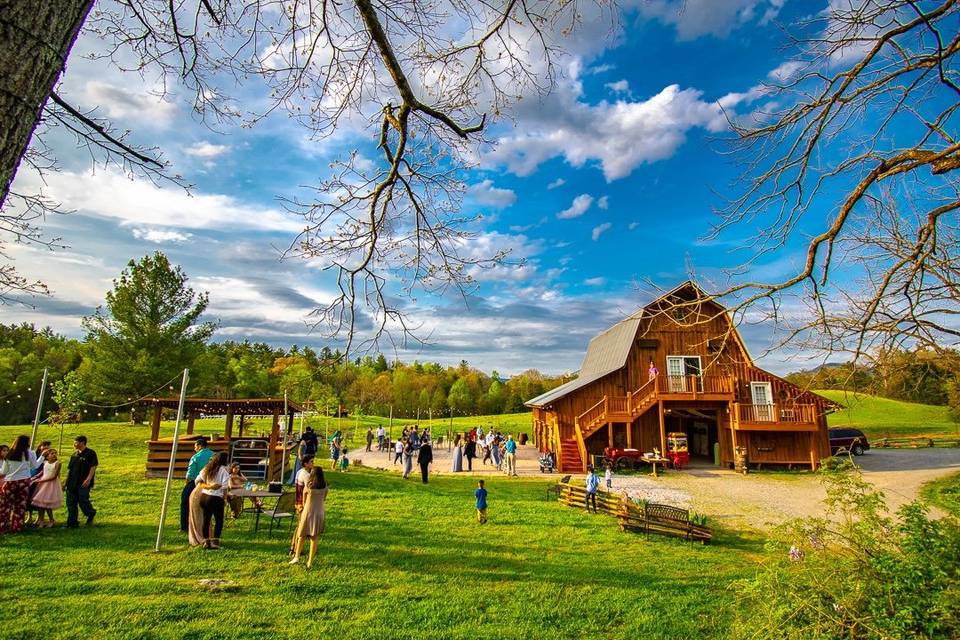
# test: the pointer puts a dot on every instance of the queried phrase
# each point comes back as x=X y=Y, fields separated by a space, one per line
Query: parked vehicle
x=622 y=458
x=844 y=439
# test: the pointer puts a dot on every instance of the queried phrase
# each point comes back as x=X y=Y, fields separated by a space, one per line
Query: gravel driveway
x=763 y=500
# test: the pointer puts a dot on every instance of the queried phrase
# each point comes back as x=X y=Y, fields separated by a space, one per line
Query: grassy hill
x=880 y=417
x=398 y=560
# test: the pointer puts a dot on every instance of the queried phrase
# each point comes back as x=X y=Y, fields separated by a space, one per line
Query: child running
x=481 y=495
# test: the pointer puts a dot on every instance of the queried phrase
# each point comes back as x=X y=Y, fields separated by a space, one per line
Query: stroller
x=548 y=462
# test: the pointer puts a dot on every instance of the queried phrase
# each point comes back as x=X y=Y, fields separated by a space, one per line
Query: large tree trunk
x=35 y=38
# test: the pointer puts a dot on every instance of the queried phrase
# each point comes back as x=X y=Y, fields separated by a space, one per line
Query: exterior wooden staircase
x=569 y=459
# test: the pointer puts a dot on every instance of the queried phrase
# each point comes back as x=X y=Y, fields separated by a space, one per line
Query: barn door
x=762 y=401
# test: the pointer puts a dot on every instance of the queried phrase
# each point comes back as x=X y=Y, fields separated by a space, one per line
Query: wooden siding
x=723 y=356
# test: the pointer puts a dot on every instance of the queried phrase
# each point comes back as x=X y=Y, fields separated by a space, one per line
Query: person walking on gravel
x=511 y=449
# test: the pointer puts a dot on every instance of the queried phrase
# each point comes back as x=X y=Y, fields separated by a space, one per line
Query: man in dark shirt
x=310 y=442
x=80 y=477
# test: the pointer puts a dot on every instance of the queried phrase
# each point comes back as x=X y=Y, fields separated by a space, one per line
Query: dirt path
x=763 y=500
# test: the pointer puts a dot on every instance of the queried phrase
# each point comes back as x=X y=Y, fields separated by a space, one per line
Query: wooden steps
x=570 y=461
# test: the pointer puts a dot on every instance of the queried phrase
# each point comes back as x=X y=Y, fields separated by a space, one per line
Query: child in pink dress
x=49 y=494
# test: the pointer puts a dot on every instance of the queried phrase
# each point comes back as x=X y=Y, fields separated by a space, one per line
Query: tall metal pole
x=173 y=457
x=283 y=437
x=391 y=422
x=36 y=418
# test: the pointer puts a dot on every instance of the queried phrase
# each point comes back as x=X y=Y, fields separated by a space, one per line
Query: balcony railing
x=789 y=413
x=696 y=384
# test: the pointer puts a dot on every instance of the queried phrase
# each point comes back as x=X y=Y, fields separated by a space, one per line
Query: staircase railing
x=595 y=412
x=636 y=398
x=555 y=428
x=581 y=446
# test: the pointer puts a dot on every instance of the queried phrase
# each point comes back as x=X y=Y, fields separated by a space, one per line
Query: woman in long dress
x=457 y=454
x=195 y=523
x=313 y=516
x=408 y=452
x=48 y=494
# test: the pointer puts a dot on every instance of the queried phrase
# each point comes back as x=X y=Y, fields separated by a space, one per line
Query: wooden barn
x=703 y=383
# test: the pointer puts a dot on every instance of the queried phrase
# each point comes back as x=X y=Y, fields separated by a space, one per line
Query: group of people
x=492 y=447
x=30 y=484
x=414 y=446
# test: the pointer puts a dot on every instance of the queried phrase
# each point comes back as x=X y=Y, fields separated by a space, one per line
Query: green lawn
x=881 y=417
x=945 y=493
x=398 y=560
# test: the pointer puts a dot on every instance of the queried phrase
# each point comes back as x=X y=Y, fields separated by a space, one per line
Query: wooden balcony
x=775 y=417
x=695 y=387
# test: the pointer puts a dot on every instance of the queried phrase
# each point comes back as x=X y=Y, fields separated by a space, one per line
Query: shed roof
x=606 y=353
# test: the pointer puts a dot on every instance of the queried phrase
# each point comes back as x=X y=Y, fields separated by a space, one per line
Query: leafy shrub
x=857 y=572
x=699 y=519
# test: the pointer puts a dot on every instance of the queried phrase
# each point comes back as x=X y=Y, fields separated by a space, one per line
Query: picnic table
x=653 y=462
x=258 y=507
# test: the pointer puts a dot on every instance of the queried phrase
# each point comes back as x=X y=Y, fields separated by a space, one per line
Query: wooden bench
x=662 y=519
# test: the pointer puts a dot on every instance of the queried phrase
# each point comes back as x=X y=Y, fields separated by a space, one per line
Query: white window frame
x=762 y=412
x=682 y=385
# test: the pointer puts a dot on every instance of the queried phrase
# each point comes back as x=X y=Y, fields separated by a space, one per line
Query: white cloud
x=786 y=71
x=559 y=182
x=599 y=230
x=604 y=202
x=160 y=236
x=119 y=102
x=579 y=207
x=695 y=18
x=595 y=282
x=633 y=225
x=485 y=193
x=621 y=135
x=620 y=86
x=206 y=150
x=109 y=194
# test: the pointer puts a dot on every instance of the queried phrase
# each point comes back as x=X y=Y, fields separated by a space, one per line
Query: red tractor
x=622 y=458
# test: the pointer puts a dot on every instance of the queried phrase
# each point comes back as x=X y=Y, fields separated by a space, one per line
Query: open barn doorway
x=700 y=427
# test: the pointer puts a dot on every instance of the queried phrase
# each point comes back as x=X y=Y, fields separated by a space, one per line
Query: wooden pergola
x=159 y=449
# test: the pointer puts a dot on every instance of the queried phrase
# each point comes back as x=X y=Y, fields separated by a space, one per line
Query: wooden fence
x=649 y=518
x=916 y=442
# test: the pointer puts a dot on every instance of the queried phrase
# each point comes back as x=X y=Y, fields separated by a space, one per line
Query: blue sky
x=607 y=183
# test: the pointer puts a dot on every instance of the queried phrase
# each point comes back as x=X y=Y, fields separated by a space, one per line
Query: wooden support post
x=813 y=456
x=630 y=435
x=274 y=438
x=663 y=429
x=610 y=434
x=190 y=420
x=155 y=423
x=241 y=425
x=228 y=427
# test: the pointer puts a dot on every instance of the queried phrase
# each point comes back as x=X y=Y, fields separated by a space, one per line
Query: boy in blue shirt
x=592 y=482
x=481 y=495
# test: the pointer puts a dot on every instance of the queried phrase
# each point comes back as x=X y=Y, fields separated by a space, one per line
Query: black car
x=844 y=439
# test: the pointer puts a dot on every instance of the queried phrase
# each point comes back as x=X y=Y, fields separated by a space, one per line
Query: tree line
x=918 y=375
x=151 y=328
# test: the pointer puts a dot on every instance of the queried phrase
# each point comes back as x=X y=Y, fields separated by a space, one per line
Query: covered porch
x=259 y=453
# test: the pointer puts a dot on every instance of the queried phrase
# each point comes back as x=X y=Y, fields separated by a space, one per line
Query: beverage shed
x=259 y=454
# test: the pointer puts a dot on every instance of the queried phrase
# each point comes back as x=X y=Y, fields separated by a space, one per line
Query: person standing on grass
x=398 y=450
x=591 y=483
x=457 y=464
x=335 y=446
x=488 y=447
x=32 y=510
x=213 y=497
x=408 y=452
x=313 y=516
x=16 y=471
x=511 y=448
x=481 y=495
x=470 y=452
x=344 y=462
x=415 y=437
x=381 y=435
x=48 y=494
x=424 y=458
x=80 y=477
x=369 y=438
x=201 y=457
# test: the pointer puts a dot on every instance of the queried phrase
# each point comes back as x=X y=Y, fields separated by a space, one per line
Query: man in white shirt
x=381 y=434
